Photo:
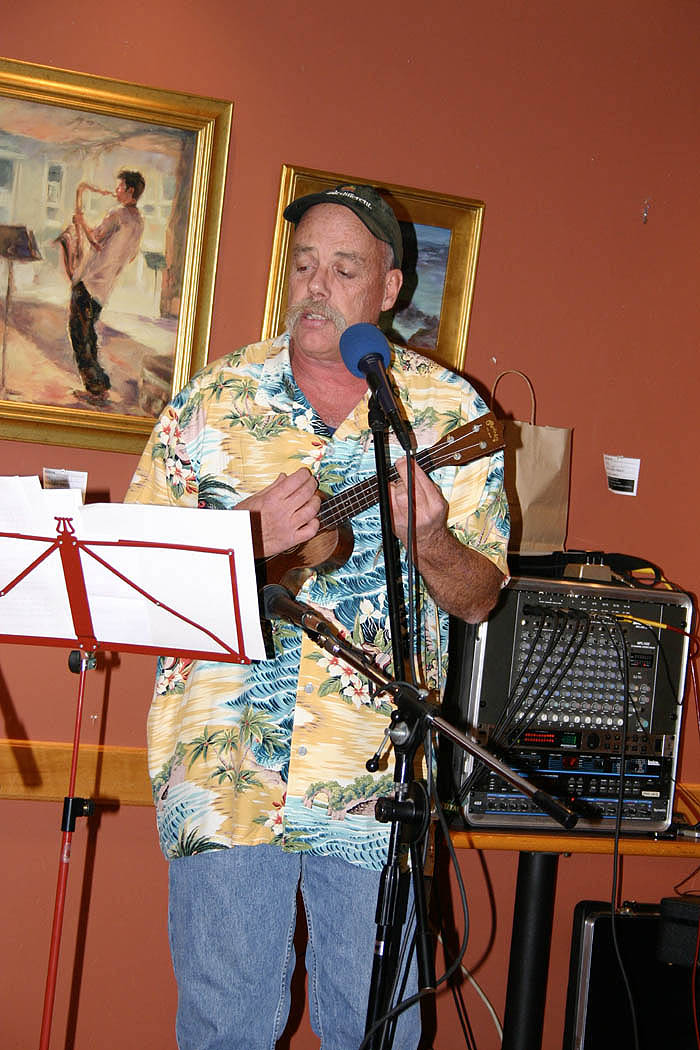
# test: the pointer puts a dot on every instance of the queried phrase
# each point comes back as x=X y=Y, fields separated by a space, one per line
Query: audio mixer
x=578 y=686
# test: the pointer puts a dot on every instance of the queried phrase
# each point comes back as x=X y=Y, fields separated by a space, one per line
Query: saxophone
x=72 y=239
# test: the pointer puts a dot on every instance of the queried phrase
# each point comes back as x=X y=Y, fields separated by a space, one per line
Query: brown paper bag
x=537 y=470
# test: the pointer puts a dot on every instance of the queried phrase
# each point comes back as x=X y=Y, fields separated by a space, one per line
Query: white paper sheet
x=195 y=584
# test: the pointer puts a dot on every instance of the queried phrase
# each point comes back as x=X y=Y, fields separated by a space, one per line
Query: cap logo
x=349 y=191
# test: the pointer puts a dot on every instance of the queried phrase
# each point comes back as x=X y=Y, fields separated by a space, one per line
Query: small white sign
x=57 y=478
x=623 y=474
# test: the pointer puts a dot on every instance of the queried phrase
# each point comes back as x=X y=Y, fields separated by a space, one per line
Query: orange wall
x=564 y=120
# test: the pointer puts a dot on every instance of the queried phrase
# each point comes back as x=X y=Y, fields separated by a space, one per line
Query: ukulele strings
x=344 y=505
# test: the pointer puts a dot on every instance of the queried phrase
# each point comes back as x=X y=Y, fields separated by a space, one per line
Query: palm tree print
x=233 y=748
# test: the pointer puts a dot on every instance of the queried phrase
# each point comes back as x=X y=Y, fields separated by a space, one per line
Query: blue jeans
x=231 y=919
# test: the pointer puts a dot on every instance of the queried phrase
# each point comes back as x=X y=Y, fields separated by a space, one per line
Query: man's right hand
x=284 y=514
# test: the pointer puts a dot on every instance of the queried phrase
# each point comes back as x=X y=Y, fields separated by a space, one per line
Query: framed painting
x=110 y=209
x=441 y=237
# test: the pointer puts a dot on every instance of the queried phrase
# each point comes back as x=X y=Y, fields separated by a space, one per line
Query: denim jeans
x=232 y=917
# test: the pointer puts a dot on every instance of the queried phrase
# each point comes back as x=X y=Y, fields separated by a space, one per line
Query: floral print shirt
x=275 y=751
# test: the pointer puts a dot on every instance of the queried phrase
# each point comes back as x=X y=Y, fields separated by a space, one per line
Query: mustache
x=320 y=309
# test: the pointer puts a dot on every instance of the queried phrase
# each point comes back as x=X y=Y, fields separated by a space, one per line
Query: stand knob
x=75 y=660
x=388 y=809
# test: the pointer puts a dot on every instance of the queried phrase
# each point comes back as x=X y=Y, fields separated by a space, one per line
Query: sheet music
x=195 y=584
x=39 y=605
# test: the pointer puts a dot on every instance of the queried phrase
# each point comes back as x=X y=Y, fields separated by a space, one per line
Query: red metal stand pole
x=72 y=807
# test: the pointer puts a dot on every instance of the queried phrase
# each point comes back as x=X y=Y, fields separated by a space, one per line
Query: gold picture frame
x=64 y=137
x=446 y=230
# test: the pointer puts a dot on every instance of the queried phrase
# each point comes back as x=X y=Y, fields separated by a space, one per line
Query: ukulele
x=333 y=543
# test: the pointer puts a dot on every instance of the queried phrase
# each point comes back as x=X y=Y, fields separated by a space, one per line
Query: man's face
x=338 y=277
x=123 y=193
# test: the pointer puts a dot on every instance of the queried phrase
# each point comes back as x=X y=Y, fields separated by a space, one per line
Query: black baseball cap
x=366 y=202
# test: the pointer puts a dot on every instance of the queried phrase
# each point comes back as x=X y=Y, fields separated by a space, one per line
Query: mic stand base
x=409 y=814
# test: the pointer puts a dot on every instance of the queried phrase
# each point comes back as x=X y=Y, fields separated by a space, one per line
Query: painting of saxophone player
x=94 y=258
x=121 y=187
x=60 y=175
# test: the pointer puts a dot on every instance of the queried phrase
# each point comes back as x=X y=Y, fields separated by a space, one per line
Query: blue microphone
x=366 y=352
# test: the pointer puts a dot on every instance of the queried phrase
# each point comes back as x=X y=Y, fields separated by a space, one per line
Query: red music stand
x=85 y=644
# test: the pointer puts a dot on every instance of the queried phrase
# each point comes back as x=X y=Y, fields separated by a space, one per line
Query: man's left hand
x=431 y=505
x=462 y=581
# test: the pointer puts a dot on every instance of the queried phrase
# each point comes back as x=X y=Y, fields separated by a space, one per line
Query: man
x=259 y=772
x=112 y=245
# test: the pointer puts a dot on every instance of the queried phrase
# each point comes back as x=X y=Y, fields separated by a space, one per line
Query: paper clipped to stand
x=160 y=579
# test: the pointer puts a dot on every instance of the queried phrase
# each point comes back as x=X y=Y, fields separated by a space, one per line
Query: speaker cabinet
x=657 y=947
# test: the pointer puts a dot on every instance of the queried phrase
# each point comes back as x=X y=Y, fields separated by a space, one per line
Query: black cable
x=510 y=709
x=505 y=733
x=557 y=673
x=513 y=697
x=616 y=842
x=618 y=636
x=557 y=632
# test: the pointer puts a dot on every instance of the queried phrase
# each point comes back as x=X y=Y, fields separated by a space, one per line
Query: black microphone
x=278 y=603
x=365 y=352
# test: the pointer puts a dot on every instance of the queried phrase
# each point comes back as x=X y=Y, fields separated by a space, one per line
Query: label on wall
x=622 y=474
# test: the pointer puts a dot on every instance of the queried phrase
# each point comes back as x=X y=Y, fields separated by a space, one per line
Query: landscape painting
x=415 y=321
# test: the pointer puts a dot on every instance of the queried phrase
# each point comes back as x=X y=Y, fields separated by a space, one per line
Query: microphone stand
x=409 y=813
x=394 y=580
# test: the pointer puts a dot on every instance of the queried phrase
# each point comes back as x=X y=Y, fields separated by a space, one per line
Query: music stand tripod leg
x=73 y=808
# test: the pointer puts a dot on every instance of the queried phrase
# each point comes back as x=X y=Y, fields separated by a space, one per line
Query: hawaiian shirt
x=274 y=751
